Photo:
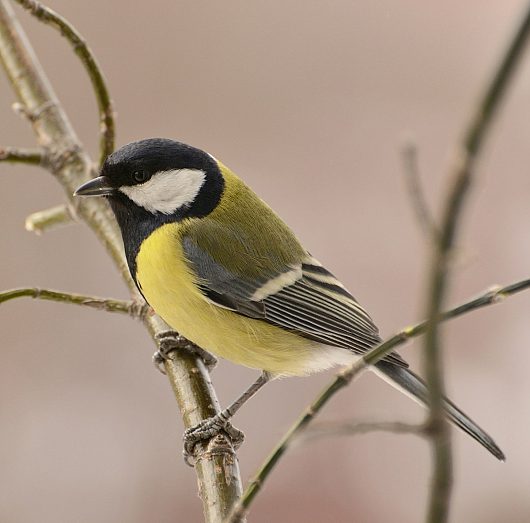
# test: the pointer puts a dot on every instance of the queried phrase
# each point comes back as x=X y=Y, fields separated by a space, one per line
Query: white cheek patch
x=167 y=191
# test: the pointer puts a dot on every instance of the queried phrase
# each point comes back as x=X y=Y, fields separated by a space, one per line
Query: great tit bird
x=219 y=266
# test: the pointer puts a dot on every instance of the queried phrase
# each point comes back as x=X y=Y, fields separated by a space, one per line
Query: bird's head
x=158 y=176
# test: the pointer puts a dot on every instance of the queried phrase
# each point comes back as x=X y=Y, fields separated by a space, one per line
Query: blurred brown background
x=309 y=103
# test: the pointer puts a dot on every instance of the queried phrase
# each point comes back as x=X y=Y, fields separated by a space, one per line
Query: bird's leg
x=208 y=428
x=169 y=341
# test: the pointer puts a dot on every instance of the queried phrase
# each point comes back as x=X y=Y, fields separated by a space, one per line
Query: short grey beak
x=99 y=186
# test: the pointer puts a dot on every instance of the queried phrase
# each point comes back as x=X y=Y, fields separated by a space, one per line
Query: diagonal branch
x=81 y=49
x=345 y=377
x=461 y=178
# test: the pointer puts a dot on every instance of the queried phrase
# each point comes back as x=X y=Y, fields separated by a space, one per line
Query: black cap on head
x=153 y=155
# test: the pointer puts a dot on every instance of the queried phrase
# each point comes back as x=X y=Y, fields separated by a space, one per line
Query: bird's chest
x=166 y=279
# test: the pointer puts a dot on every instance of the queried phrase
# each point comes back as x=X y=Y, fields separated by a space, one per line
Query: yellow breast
x=169 y=285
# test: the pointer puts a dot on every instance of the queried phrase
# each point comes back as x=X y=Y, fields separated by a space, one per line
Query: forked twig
x=346 y=376
x=81 y=49
x=461 y=177
x=217 y=470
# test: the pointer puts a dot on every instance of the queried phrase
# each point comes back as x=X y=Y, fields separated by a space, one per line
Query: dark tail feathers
x=414 y=385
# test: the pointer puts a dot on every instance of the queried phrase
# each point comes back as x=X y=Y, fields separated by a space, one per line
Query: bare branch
x=40 y=221
x=213 y=456
x=22 y=155
x=417 y=197
x=68 y=162
x=347 y=376
x=461 y=178
x=71 y=166
x=355 y=428
x=33 y=114
x=81 y=49
x=136 y=309
x=215 y=460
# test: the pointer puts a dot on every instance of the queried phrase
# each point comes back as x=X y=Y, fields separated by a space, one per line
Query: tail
x=412 y=384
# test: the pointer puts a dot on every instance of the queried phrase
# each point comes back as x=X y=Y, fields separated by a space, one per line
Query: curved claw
x=206 y=430
x=169 y=341
x=188 y=459
x=158 y=362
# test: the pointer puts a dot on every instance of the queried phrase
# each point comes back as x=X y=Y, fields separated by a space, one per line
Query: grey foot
x=206 y=430
x=169 y=341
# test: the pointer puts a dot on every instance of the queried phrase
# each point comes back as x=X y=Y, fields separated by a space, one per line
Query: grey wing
x=305 y=298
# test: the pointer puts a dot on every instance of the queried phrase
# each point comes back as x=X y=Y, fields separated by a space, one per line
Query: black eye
x=141 y=176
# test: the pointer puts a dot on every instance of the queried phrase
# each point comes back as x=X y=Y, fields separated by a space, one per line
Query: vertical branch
x=461 y=179
x=218 y=473
x=217 y=461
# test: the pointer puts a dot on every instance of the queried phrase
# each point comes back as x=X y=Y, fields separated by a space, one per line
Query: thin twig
x=136 y=309
x=461 y=177
x=22 y=155
x=346 y=376
x=217 y=473
x=81 y=49
x=417 y=197
x=355 y=428
x=41 y=221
